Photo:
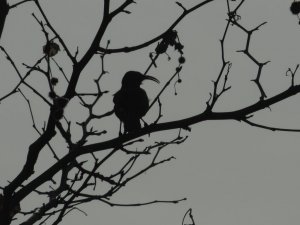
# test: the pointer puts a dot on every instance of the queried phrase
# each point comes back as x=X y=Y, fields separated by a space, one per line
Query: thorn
x=127 y=12
x=265 y=63
x=180 y=5
x=249 y=116
x=187 y=128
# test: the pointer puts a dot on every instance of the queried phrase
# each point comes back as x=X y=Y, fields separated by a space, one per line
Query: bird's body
x=131 y=101
x=130 y=107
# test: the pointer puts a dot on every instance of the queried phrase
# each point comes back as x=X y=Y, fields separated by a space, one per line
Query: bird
x=131 y=102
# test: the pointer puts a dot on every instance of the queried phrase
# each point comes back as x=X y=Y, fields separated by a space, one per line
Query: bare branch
x=142 y=204
x=4 y=8
x=269 y=128
x=54 y=31
x=157 y=38
x=251 y=57
x=19 y=3
x=22 y=79
x=121 y=8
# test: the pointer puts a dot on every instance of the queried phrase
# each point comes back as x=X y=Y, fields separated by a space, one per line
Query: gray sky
x=231 y=173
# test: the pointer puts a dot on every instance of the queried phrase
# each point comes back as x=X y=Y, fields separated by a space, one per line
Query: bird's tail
x=132 y=125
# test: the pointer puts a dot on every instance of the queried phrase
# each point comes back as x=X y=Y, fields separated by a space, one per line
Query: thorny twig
x=34 y=124
x=291 y=73
x=22 y=79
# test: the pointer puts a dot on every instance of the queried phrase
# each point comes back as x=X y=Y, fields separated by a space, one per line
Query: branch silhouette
x=73 y=179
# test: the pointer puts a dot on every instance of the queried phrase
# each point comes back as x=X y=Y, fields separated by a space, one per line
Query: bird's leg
x=120 y=132
x=145 y=125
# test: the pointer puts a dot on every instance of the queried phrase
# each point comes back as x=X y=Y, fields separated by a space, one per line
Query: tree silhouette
x=77 y=175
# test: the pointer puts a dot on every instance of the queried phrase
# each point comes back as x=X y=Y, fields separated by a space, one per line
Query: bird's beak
x=151 y=78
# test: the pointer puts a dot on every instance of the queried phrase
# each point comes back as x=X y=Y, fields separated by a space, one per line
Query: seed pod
x=54 y=80
x=161 y=47
x=170 y=37
x=178 y=46
x=295 y=8
x=51 y=49
x=181 y=60
x=52 y=94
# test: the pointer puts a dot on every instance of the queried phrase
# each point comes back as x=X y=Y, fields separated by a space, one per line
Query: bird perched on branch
x=131 y=101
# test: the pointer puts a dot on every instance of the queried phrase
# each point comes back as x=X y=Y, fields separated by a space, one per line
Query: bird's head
x=135 y=79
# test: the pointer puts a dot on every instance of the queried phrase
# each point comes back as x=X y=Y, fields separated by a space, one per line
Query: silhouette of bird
x=131 y=101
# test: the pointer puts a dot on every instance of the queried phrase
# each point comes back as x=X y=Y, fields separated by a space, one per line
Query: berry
x=181 y=60
x=178 y=69
x=54 y=81
x=179 y=80
x=52 y=94
x=295 y=8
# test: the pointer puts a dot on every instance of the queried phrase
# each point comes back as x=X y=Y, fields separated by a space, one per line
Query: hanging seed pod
x=170 y=37
x=161 y=47
x=295 y=8
x=52 y=94
x=51 y=49
x=181 y=60
x=54 y=81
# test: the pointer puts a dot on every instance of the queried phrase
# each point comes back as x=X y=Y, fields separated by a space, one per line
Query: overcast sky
x=231 y=173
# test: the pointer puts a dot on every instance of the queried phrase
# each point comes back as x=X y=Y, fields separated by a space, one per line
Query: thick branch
x=184 y=123
x=90 y=52
x=39 y=214
x=18 y=3
x=32 y=156
x=4 y=8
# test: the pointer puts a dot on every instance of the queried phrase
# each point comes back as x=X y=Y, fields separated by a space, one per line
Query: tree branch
x=157 y=38
x=78 y=67
x=4 y=8
x=205 y=116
